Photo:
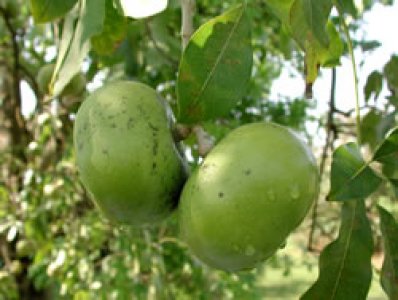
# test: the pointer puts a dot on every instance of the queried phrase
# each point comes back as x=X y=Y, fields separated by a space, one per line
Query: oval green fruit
x=250 y=192
x=126 y=155
x=75 y=87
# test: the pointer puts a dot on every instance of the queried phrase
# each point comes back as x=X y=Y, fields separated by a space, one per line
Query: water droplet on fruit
x=249 y=251
x=295 y=192
x=271 y=195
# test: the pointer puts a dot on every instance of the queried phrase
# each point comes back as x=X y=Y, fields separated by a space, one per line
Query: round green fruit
x=24 y=248
x=250 y=192
x=126 y=155
x=74 y=88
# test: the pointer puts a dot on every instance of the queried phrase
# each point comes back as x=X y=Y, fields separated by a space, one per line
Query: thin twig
x=187 y=29
x=331 y=135
x=205 y=141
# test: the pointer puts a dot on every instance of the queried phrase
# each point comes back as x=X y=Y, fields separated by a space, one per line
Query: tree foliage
x=53 y=242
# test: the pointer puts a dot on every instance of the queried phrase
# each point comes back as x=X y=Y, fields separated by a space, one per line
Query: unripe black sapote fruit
x=74 y=88
x=126 y=155
x=251 y=191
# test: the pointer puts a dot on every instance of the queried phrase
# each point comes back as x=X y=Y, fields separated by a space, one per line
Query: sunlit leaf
x=49 y=10
x=215 y=67
x=75 y=43
x=139 y=9
x=388 y=147
x=389 y=271
x=351 y=178
x=345 y=270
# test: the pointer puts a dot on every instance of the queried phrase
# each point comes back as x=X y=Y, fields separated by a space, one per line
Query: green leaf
x=49 y=10
x=215 y=67
x=348 y=6
x=370 y=131
x=388 y=147
x=308 y=19
x=391 y=73
x=345 y=270
x=281 y=9
x=389 y=271
x=114 y=30
x=374 y=85
x=75 y=43
x=330 y=56
x=351 y=178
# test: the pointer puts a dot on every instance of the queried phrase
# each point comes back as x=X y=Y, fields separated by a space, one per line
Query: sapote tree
x=54 y=243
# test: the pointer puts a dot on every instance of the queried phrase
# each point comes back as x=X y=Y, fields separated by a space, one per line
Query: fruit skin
x=126 y=155
x=250 y=192
x=74 y=88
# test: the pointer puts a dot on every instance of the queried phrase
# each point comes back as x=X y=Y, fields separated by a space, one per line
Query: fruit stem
x=187 y=12
x=354 y=69
x=205 y=141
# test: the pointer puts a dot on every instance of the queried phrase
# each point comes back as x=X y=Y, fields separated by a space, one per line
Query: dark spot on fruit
x=113 y=125
x=154 y=166
x=124 y=111
x=220 y=194
x=130 y=123
x=155 y=147
x=104 y=151
x=248 y=172
x=80 y=145
x=153 y=127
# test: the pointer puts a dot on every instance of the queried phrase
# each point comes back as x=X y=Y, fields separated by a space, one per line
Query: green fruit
x=24 y=248
x=250 y=192
x=126 y=155
x=16 y=267
x=75 y=87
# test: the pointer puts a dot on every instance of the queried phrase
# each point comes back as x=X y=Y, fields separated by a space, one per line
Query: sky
x=379 y=24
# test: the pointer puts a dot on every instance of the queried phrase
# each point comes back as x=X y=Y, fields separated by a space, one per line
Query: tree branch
x=331 y=135
x=187 y=29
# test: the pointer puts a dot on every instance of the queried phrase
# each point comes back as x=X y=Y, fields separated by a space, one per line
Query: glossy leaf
x=49 y=10
x=351 y=178
x=75 y=43
x=345 y=270
x=374 y=85
x=389 y=271
x=215 y=67
x=388 y=147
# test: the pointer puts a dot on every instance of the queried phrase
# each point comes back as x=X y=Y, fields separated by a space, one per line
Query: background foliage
x=53 y=242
